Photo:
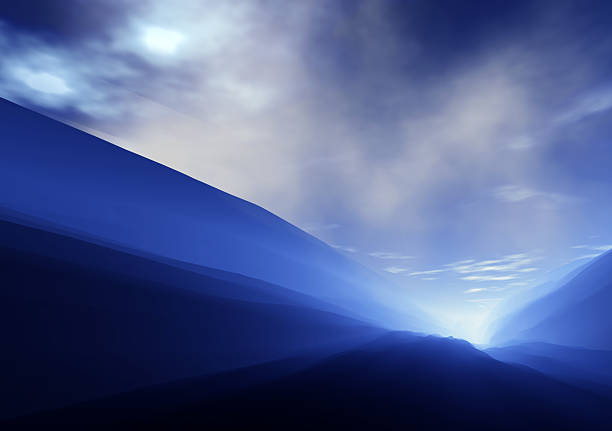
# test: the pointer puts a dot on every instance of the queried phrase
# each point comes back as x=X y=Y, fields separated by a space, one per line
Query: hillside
x=83 y=186
x=576 y=314
x=79 y=321
x=399 y=380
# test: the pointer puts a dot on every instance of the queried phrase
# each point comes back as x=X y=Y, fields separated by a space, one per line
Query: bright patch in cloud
x=316 y=227
x=515 y=193
x=162 y=41
x=431 y=271
x=475 y=290
x=395 y=269
x=488 y=277
x=390 y=255
x=344 y=248
x=585 y=256
x=594 y=247
x=44 y=82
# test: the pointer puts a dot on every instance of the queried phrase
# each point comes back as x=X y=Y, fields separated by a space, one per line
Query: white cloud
x=516 y=193
x=598 y=249
x=593 y=103
x=460 y=262
x=475 y=290
x=318 y=227
x=509 y=263
x=594 y=247
x=513 y=193
x=489 y=277
x=431 y=271
x=505 y=268
x=389 y=255
x=485 y=289
x=348 y=249
x=161 y=40
x=586 y=256
x=521 y=143
x=395 y=269
x=43 y=81
x=518 y=284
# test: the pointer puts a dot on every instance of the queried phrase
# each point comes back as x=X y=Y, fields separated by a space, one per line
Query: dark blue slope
x=93 y=189
x=590 y=369
x=400 y=381
x=576 y=314
x=78 y=320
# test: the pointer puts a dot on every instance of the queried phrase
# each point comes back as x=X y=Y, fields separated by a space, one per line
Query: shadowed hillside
x=397 y=381
x=78 y=320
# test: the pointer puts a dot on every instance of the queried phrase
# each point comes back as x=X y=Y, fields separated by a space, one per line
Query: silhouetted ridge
x=396 y=381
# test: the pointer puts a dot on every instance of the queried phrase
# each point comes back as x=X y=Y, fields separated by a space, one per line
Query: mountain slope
x=92 y=189
x=78 y=321
x=591 y=369
x=576 y=314
x=508 y=307
x=399 y=381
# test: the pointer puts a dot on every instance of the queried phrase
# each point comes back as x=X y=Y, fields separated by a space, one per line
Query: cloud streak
x=390 y=255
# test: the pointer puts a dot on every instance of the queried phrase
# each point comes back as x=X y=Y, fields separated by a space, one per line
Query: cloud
x=348 y=249
x=395 y=269
x=486 y=289
x=161 y=40
x=509 y=263
x=489 y=277
x=429 y=278
x=460 y=262
x=598 y=249
x=513 y=193
x=431 y=271
x=201 y=95
x=475 y=290
x=508 y=267
x=389 y=255
x=605 y=247
x=518 y=284
x=585 y=256
x=593 y=103
x=516 y=193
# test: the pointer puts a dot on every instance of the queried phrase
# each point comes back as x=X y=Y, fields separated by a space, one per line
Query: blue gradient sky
x=461 y=148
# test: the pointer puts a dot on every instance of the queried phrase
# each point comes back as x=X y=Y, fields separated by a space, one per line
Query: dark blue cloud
x=66 y=21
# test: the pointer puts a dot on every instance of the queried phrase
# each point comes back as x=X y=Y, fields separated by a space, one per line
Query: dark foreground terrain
x=94 y=335
x=398 y=381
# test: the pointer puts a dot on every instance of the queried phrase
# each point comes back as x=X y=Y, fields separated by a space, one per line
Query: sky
x=460 y=148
